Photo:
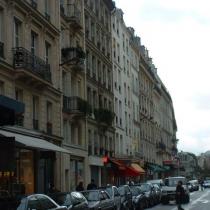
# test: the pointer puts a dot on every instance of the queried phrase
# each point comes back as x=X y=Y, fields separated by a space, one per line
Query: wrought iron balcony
x=161 y=146
x=25 y=60
x=73 y=16
x=1 y=49
x=104 y=116
x=76 y=105
x=73 y=56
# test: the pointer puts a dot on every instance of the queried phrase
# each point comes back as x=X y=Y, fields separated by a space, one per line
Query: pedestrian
x=80 y=187
x=201 y=183
x=179 y=195
x=52 y=189
x=92 y=185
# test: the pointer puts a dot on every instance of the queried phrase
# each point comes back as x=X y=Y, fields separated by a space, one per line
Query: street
x=199 y=200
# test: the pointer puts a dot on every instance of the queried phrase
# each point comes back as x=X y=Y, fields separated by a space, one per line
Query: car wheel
x=141 y=206
x=164 y=201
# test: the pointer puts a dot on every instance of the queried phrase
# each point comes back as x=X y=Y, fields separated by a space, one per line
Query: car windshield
x=145 y=187
x=91 y=195
x=135 y=191
x=109 y=191
x=121 y=190
x=62 y=199
x=173 y=181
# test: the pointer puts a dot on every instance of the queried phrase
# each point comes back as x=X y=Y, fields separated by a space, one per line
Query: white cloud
x=179 y=46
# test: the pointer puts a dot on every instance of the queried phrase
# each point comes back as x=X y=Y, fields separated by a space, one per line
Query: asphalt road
x=199 y=200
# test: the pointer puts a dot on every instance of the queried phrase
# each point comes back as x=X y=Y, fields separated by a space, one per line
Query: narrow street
x=199 y=200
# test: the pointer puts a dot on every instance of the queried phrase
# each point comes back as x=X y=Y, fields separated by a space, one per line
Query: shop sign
x=5 y=174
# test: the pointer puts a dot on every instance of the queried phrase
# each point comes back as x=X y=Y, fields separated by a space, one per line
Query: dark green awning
x=12 y=104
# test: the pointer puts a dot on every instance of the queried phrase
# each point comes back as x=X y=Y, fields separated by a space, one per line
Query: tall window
x=19 y=94
x=47 y=52
x=49 y=117
x=34 y=42
x=17 y=33
x=47 y=9
x=1 y=25
x=1 y=88
x=35 y=101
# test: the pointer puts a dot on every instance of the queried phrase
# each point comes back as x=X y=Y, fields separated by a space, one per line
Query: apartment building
x=121 y=84
x=75 y=108
x=30 y=88
x=148 y=144
x=99 y=88
x=134 y=63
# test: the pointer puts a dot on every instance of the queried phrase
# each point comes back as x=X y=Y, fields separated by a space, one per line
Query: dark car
x=126 y=197
x=72 y=200
x=98 y=199
x=114 y=195
x=138 y=198
x=39 y=202
x=150 y=194
x=158 y=193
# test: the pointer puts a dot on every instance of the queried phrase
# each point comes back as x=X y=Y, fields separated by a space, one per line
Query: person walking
x=92 y=185
x=201 y=183
x=80 y=187
x=179 y=195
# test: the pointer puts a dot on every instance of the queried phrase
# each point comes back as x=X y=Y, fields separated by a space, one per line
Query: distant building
x=188 y=165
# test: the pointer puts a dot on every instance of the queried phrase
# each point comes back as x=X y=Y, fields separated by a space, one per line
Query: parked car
x=169 y=190
x=72 y=200
x=195 y=184
x=206 y=184
x=190 y=187
x=39 y=202
x=98 y=199
x=158 y=193
x=150 y=194
x=159 y=182
x=126 y=197
x=138 y=198
x=114 y=195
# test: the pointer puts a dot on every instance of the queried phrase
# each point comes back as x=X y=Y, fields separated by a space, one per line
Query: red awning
x=120 y=166
x=130 y=172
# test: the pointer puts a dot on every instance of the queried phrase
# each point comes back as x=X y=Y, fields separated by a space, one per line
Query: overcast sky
x=177 y=35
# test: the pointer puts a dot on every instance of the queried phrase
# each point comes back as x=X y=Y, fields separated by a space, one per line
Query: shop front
x=27 y=164
x=77 y=168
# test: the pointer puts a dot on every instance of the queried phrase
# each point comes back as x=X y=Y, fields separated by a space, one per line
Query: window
x=34 y=3
x=45 y=202
x=35 y=102
x=17 y=31
x=47 y=9
x=49 y=117
x=1 y=25
x=19 y=94
x=34 y=42
x=1 y=88
x=47 y=52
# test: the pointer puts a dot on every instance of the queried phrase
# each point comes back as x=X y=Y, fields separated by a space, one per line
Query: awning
x=130 y=172
x=117 y=164
x=138 y=168
x=34 y=142
x=12 y=104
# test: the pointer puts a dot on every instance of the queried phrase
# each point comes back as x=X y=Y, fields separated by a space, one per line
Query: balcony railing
x=75 y=104
x=23 y=59
x=1 y=49
x=104 y=116
x=73 y=15
x=73 y=56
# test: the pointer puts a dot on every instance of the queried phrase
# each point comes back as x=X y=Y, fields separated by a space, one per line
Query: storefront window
x=25 y=171
x=77 y=172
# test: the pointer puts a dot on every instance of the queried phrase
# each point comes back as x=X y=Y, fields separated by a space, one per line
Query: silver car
x=114 y=195
x=38 y=202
